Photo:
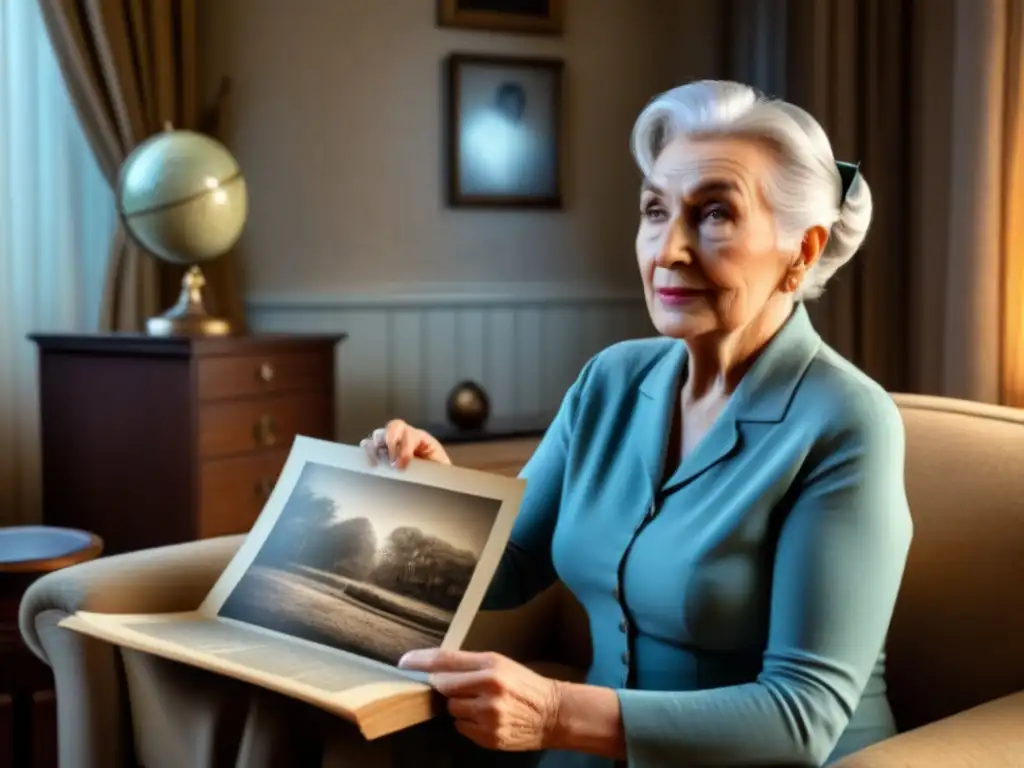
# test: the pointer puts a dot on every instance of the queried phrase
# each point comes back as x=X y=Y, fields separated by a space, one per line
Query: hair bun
x=849 y=229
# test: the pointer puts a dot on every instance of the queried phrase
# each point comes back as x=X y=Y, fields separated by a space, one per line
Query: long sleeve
x=526 y=569
x=837 y=568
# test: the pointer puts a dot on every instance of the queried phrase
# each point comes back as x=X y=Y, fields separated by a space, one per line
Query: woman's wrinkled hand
x=496 y=702
x=398 y=443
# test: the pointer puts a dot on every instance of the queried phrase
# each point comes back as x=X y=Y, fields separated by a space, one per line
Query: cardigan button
x=623 y=626
x=615 y=591
x=625 y=658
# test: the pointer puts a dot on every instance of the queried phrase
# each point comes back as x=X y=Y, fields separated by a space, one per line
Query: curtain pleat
x=1013 y=208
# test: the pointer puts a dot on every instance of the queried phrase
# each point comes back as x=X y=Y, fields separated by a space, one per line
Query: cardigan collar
x=763 y=395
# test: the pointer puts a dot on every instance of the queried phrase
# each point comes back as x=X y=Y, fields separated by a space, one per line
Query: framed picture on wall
x=504 y=131
x=544 y=17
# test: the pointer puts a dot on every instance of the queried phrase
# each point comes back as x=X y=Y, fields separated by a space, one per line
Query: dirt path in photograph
x=421 y=614
x=315 y=611
x=340 y=593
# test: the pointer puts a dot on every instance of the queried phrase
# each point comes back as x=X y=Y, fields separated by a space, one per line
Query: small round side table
x=28 y=712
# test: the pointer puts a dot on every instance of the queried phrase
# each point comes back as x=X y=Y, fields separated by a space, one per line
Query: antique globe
x=182 y=197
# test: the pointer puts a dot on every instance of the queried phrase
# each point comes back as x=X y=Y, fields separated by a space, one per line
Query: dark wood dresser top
x=139 y=344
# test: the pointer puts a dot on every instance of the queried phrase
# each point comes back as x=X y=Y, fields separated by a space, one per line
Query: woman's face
x=706 y=244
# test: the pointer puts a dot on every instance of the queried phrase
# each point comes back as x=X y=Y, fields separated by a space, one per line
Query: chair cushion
x=958 y=629
x=988 y=736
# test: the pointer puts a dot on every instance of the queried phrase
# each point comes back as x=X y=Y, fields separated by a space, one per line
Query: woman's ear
x=792 y=280
x=811 y=248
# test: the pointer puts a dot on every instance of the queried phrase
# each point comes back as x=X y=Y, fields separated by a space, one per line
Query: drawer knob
x=264 y=487
x=265 y=430
x=265 y=372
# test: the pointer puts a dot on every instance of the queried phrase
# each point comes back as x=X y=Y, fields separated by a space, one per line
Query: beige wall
x=336 y=120
x=337 y=124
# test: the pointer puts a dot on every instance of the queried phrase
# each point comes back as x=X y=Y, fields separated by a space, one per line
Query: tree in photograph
x=424 y=567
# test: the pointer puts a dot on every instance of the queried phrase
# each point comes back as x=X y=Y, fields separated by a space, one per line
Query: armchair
x=956 y=672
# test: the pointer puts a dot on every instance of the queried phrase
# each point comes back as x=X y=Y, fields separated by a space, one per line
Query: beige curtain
x=1012 y=225
x=914 y=91
x=131 y=67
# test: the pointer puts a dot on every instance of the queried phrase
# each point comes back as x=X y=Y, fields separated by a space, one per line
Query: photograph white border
x=507 y=490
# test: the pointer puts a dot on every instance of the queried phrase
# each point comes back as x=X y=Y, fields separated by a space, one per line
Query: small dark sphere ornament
x=468 y=406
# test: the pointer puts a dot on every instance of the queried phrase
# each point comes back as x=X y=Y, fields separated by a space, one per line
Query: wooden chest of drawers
x=149 y=441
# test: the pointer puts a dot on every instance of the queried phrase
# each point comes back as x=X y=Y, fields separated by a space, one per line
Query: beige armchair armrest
x=92 y=704
x=990 y=735
x=165 y=579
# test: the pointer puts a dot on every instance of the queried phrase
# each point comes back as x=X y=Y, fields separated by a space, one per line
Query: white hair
x=804 y=193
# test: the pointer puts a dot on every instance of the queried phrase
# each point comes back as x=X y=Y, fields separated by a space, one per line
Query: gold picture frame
x=538 y=17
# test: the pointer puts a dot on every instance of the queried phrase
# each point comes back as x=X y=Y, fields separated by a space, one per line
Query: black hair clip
x=847 y=173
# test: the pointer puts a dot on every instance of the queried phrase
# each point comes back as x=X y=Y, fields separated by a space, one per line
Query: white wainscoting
x=524 y=344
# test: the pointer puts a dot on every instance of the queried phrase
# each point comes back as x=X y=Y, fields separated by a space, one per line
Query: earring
x=792 y=282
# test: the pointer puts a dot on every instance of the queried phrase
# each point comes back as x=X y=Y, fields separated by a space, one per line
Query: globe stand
x=188 y=317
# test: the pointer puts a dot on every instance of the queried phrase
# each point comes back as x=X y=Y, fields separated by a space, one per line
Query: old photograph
x=363 y=563
x=504 y=131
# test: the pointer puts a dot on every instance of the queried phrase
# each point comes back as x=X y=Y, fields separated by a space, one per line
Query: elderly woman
x=725 y=501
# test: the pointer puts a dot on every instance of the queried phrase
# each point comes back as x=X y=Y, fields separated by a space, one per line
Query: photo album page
x=350 y=565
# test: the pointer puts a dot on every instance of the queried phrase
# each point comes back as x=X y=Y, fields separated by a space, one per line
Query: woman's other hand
x=496 y=702
x=398 y=443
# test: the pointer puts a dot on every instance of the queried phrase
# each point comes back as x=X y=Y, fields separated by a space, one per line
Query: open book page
x=349 y=557
x=355 y=688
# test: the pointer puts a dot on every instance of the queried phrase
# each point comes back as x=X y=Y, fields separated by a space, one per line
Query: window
x=56 y=224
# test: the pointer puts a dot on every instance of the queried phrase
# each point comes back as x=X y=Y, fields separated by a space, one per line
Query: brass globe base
x=188 y=317
x=165 y=325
